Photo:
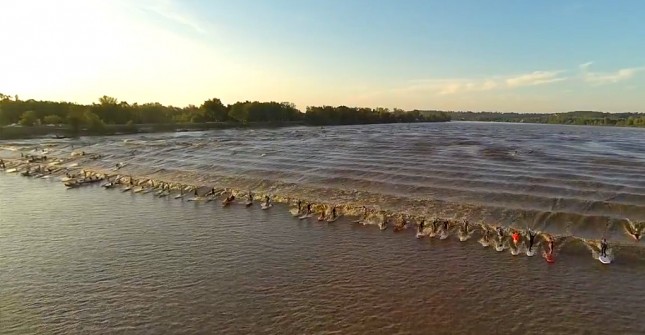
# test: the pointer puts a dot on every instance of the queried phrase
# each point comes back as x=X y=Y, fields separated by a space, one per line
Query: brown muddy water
x=90 y=260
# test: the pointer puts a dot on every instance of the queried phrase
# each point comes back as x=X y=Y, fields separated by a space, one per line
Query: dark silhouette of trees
x=109 y=115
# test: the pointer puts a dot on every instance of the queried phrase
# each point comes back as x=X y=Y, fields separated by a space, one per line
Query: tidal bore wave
x=576 y=184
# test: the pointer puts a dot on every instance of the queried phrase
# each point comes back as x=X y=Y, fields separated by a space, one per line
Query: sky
x=492 y=55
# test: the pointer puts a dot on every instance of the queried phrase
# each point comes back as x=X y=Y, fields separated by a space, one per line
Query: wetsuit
x=333 y=213
x=603 y=248
x=531 y=240
x=465 y=226
x=421 y=226
x=445 y=226
x=308 y=208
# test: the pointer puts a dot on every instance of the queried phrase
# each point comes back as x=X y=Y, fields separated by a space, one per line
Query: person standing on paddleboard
x=531 y=239
x=603 y=247
x=421 y=226
x=516 y=236
x=551 y=245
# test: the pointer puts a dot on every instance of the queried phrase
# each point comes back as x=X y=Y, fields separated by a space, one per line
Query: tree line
x=591 y=118
x=110 y=111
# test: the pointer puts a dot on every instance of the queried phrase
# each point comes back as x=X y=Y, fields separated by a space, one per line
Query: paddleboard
x=515 y=252
x=248 y=204
x=530 y=253
x=443 y=236
x=333 y=220
x=126 y=189
x=499 y=248
x=179 y=196
x=137 y=189
x=604 y=259
x=382 y=227
x=420 y=235
x=549 y=259
x=304 y=216
x=194 y=199
x=264 y=206
x=464 y=238
x=12 y=170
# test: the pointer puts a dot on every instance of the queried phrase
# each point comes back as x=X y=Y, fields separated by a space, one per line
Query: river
x=89 y=260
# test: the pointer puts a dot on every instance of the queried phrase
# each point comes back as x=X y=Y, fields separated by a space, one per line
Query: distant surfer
x=551 y=245
x=365 y=213
x=516 y=237
x=464 y=226
x=267 y=201
x=603 y=247
x=421 y=226
x=2 y=166
x=249 y=199
x=434 y=225
x=500 y=232
x=299 y=203
x=445 y=226
x=308 y=209
x=531 y=239
x=333 y=213
x=229 y=199
x=321 y=217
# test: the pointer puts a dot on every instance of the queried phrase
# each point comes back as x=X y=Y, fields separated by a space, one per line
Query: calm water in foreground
x=94 y=261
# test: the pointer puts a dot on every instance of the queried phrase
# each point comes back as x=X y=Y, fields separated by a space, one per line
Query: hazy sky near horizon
x=495 y=55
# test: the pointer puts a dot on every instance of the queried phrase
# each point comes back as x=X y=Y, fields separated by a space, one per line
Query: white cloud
x=585 y=66
x=448 y=86
x=172 y=11
x=600 y=78
x=534 y=78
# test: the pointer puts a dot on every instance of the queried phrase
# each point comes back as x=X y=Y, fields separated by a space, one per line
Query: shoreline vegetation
x=581 y=118
x=33 y=118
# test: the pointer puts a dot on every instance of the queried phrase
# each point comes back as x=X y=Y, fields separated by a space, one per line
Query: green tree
x=52 y=119
x=214 y=110
x=28 y=118
x=3 y=118
x=75 y=118
x=240 y=111
x=94 y=122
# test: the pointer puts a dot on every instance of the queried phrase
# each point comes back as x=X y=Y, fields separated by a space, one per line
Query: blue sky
x=526 y=56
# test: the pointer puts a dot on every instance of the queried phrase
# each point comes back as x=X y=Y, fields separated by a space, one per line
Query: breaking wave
x=577 y=184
